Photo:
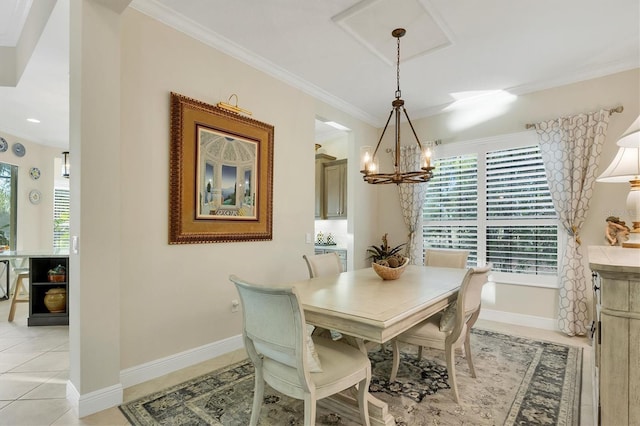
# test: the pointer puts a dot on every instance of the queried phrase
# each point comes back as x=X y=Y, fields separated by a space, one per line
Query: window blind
x=61 y=219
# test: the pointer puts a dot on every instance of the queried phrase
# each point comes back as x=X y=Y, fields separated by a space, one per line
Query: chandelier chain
x=398 y=95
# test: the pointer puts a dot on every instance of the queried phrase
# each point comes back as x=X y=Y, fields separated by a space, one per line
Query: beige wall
x=606 y=92
x=181 y=293
x=35 y=222
x=165 y=299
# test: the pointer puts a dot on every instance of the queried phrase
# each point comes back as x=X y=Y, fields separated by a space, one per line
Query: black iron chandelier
x=369 y=161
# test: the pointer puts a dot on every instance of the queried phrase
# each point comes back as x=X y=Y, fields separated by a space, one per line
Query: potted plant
x=57 y=274
x=387 y=261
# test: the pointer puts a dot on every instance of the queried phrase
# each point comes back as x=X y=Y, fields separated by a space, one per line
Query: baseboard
x=92 y=402
x=163 y=366
x=112 y=396
x=519 y=319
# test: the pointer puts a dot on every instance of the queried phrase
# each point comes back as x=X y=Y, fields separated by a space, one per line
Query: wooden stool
x=16 y=291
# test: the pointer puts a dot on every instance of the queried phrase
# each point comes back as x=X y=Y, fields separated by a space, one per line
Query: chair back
x=469 y=296
x=446 y=258
x=273 y=324
x=323 y=264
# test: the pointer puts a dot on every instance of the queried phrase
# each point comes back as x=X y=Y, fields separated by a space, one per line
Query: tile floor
x=34 y=366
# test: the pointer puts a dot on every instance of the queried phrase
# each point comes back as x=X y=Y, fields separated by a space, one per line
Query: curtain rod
x=618 y=109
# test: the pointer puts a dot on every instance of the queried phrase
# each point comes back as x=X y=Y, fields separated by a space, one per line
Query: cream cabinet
x=616 y=346
x=335 y=189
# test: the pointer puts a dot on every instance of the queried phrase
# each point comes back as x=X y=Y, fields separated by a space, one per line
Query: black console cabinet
x=39 y=285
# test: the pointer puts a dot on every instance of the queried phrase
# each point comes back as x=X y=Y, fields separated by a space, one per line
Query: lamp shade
x=626 y=164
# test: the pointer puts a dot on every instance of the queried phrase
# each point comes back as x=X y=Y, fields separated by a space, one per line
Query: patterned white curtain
x=411 y=200
x=570 y=148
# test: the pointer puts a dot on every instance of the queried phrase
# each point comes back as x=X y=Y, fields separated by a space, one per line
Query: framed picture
x=221 y=175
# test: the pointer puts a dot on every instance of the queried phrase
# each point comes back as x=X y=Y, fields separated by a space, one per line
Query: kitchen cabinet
x=39 y=284
x=335 y=189
x=321 y=159
x=616 y=361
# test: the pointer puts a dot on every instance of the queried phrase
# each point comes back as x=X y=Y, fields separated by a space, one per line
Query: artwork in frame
x=221 y=175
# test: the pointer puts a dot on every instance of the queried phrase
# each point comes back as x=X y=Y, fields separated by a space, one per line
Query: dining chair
x=20 y=269
x=289 y=359
x=449 y=330
x=446 y=258
x=323 y=264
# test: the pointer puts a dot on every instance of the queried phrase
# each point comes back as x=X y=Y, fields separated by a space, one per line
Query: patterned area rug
x=520 y=381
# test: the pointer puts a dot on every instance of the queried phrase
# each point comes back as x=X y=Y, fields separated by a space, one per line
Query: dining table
x=365 y=308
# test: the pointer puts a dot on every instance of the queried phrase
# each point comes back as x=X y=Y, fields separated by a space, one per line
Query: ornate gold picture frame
x=221 y=175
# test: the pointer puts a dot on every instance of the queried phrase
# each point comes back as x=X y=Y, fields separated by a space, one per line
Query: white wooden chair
x=441 y=333
x=20 y=269
x=446 y=258
x=282 y=352
x=323 y=264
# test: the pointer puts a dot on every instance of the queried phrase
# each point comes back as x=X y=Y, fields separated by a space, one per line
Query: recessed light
x=33 y=120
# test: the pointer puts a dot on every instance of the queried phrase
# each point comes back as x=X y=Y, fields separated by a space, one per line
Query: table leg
x=346 y=402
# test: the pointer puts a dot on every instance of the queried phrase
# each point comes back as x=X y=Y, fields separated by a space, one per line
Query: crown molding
x=197 y=31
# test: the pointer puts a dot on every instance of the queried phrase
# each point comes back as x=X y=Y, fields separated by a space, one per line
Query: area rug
x=519 y=382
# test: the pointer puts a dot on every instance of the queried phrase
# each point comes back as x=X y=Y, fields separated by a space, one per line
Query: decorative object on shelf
x=318 y=146
x=34 y=172
x=18 y=149
x=369 y=160
x=57 y=274
x=35 y=196
x=625 y=167
x=386 y=259
x=330 y=240
x=320 y=238
x=56 y=300
x=616 y=231
x=65 y=164
x=4 y=145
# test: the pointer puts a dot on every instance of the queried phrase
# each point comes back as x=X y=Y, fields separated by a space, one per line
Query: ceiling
x=342 y=51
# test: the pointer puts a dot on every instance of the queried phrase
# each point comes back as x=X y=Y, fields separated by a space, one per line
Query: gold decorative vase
x=56 y=300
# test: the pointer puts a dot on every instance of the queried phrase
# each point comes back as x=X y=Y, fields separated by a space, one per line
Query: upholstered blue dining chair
x=450 y=329
x=289 y=359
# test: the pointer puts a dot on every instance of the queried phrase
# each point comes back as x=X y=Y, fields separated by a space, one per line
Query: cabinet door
x=335 y=189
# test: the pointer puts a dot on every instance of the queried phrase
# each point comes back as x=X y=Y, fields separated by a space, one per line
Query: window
x=491 y=197
x=61 y=219
x=8 y=204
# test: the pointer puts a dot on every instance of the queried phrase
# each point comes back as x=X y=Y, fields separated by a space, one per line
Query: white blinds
x=61 y=219
x=497 y=205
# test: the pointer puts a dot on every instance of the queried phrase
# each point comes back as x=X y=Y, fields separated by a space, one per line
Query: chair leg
x=258 y=395
x=15 y=299
x=309 y=410
x=419 y=353
x=395 y=348
x=467 y=354
x=450 y=354
x=363 y=404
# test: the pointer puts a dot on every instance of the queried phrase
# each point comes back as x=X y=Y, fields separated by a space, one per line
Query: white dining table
x=362 y=306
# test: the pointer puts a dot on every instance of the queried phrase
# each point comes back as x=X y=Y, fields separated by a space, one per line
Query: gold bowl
x=387 y=273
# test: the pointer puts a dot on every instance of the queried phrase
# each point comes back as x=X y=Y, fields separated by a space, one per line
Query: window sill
x=542 y=281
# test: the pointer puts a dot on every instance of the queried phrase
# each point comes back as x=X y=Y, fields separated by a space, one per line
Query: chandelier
x=369 y=160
